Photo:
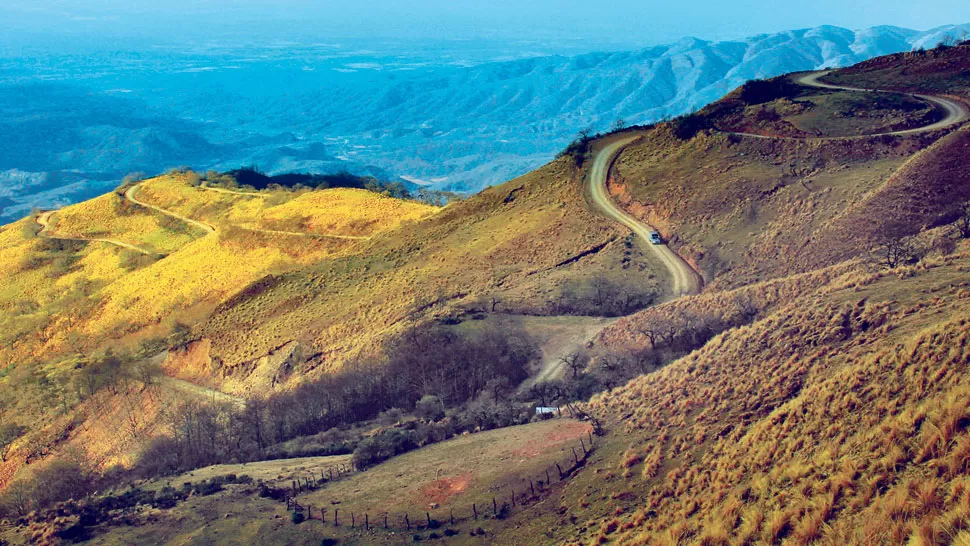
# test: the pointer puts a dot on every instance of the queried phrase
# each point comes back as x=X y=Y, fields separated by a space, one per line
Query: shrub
x=687 y=126
x=762 y=91
x=297 y=517
x=430 y=407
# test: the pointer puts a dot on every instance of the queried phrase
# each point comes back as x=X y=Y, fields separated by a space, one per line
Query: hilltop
x=805 y=384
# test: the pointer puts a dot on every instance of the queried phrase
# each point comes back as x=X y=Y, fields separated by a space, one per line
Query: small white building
x=546 y=410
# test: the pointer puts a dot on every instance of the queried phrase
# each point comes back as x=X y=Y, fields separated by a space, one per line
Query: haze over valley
x=453 y=115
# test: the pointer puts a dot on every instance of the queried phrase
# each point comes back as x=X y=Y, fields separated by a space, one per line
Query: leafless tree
x=576 y=361
x=8 y=435
x=894 y=248
x=963 y=221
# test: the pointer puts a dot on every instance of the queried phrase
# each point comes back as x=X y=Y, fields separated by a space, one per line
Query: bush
x=687 y=126
x=297 y=517
x=430 y=407
x=762 y=91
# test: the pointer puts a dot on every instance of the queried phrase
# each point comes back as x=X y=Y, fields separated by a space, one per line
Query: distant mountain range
x=451 y=127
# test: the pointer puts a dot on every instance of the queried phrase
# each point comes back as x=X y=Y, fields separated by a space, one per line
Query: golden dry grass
x=110 y=216
x=840 y=418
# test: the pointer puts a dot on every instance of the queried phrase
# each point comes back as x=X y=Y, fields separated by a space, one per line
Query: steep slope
x=522 y=244
x=838 y=418
x=743 y=196
x=827 y=407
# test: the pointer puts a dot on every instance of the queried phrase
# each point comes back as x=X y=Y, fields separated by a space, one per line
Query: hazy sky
x=622 y=21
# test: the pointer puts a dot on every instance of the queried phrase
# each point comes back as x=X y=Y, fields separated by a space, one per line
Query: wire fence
x=504 y=500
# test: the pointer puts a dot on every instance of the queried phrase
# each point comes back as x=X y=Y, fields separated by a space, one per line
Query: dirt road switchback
x=685 y=279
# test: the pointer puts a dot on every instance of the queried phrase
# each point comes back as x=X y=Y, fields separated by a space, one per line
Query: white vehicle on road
x=656 y=238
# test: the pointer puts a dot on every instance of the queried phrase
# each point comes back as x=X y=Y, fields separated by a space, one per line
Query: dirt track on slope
x=956 y=112
x=685 y=280
x=44 y=220
x=208 y=228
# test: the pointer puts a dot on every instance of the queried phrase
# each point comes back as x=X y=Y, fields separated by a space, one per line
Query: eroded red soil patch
x=570 y=432
x=442 y=489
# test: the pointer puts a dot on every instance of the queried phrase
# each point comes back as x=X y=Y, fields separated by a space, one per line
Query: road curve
x=956 y=112
x=685 y=279
x=44 y=220
x=132 y=191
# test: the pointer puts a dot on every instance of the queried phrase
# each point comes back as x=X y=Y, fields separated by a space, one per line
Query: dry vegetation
x=816 y=392
x=511 y=249
x=840 y=417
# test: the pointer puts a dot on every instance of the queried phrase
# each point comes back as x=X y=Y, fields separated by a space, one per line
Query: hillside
x=831 y=408
x=63 y=295
x=810 y=390
x=259 y=292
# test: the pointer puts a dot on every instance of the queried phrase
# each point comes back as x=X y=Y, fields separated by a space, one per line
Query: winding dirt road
x=685 y=279
x=44 y=220
x=132 y=191
x=956 y=112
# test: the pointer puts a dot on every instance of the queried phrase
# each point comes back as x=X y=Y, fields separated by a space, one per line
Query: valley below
x=463 y=120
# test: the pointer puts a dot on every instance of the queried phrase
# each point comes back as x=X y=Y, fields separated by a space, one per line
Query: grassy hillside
x=838 y=417
x=743 y=208
x=64 y=296
x=826 y=407
x=815 y=392
x=528 y=246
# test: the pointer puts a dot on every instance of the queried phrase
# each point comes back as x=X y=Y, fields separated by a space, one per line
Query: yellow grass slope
x=338 y=212
x=520 y=242
x=64 y=296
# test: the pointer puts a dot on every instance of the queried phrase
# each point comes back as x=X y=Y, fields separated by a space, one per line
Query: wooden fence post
x=353 y=521
x=513 y=498
x=494 y=506
x=336 y=517
x=547 y=477
x=559 y=468
x=590 y=438
x=582 y=443
x=366 y=522
x=428 y=514
x=385 y=520
x=532 y=488
x=407 y=522
x=475 y=511
x=575 y=457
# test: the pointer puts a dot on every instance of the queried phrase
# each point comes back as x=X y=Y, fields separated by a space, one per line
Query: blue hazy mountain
x=460 y=118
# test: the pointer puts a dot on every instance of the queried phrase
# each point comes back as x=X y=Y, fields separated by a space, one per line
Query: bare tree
x=576 y=361
x=8 y=435
x=894 y=249
x=963 y=221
